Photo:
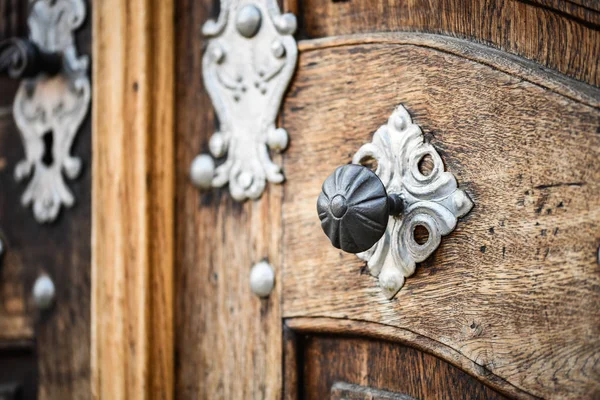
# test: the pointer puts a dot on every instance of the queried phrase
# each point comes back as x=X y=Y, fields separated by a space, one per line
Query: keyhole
x=48 y=157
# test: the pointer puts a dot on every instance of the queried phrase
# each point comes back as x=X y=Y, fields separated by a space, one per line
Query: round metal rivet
x=202 y=171
x=262 y=279
x=459 y=200
x=278 y=139
x=286 y=24
x=339 y=206
x=245 y=179
x=278 y=49
x=248 y=20
x=216 y=145
x=218 y=54
x=399 y=123
x=43 y=292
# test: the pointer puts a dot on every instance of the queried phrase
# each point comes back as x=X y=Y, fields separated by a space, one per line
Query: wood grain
x=382 y=366
x=306 y=326
x=133 y=191
x=228 y=342
x=292 y=364
x=558 y=34
x=514 y=288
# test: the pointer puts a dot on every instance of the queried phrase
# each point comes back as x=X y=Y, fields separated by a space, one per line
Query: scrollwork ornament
x=249 y=61
x=432 y=200
x=49 y=110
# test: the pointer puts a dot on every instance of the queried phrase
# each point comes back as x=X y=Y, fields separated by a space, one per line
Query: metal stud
x=278 y=139
x=202 y=171
x=43 y=292
x=248 y=20
x=262 y=279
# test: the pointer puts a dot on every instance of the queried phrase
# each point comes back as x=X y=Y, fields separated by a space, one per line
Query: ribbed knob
x=354 y=208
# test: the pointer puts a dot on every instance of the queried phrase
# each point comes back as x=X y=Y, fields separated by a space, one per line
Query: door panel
x=352 y=368
x=517 y=280
x=507 y=305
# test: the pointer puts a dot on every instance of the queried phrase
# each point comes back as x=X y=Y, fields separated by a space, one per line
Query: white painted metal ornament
x=375 y=214
x=50 y=109
x=432 y=201
x=249 y=61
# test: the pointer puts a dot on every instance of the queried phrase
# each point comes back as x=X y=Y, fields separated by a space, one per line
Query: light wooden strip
x=132 y=210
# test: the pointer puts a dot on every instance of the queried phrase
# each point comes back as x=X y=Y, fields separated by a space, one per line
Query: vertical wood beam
x=133 y=197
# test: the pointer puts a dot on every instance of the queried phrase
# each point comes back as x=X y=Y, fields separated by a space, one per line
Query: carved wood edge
x=374 y=330
x=505 y=62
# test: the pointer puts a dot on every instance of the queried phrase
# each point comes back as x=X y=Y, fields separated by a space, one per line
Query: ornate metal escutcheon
x=51 y=102
x=375 y=214
x=249 y=61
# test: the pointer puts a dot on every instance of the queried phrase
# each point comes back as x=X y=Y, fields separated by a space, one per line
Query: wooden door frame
x=133 y=199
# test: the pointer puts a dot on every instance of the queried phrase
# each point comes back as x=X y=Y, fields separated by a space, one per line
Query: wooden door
x=507 y=306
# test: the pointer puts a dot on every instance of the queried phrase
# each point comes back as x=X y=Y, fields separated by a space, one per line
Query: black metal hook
x=22 y=58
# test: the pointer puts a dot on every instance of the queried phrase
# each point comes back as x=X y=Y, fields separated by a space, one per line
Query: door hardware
x=43 y=292
x=355 y=208
x=249 y=61
x=262 y=279
x=23 y=58
x=51 y=102
x=377 y=214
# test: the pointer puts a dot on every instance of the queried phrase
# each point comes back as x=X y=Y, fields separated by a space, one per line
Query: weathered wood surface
x=228 y=342
x=292 y=366
x=514 y=289
x=16 y=322
x=562 y=35
x=52 y=348
x=334 y=366
x=133 y=208
x=307 y=326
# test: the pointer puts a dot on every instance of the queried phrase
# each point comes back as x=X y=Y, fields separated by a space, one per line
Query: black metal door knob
x=354 y=208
